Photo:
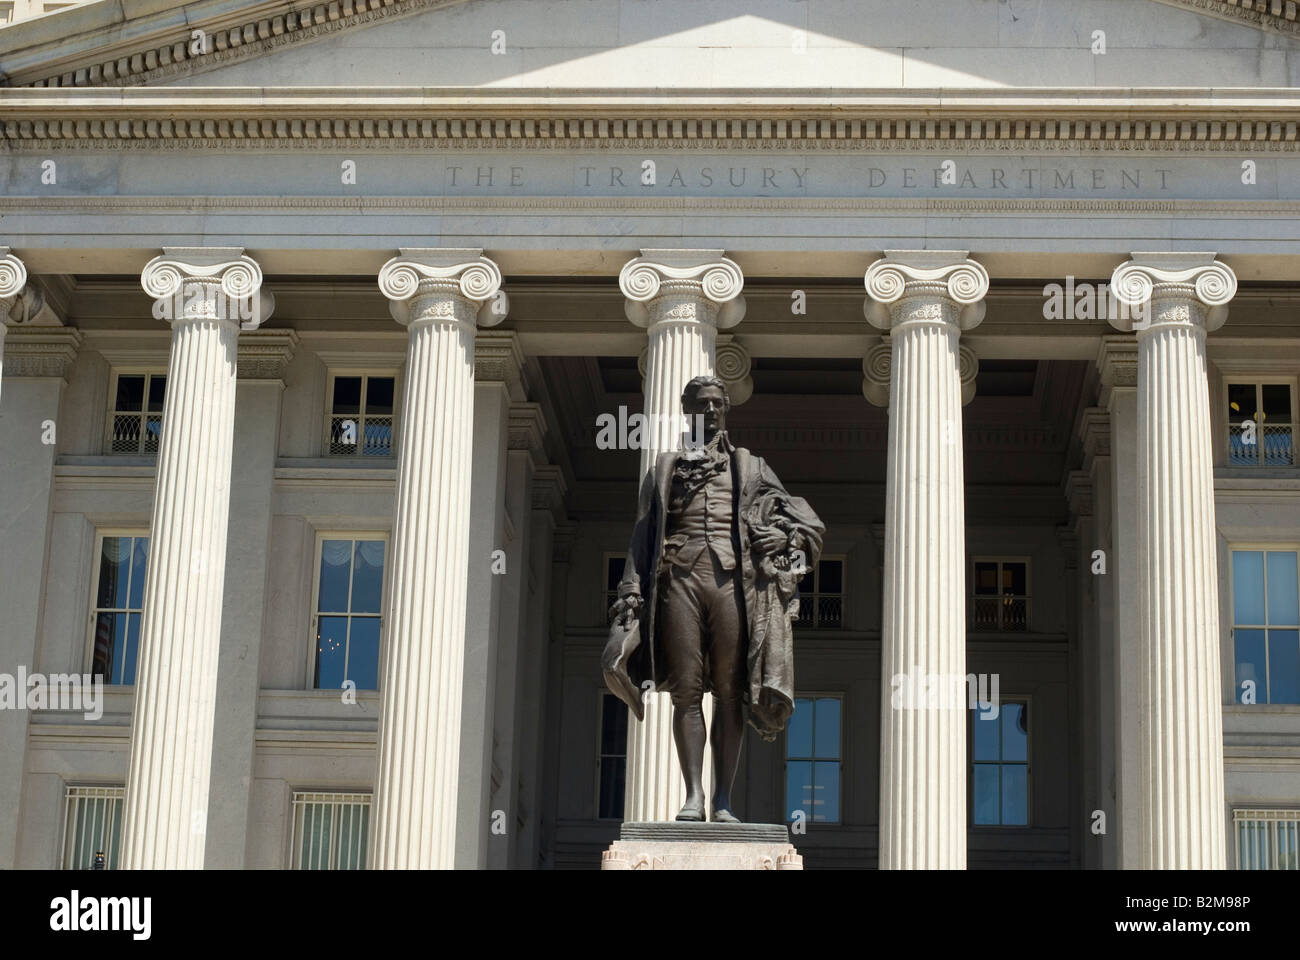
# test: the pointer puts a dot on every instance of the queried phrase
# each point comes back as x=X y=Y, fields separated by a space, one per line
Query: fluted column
x=438 y=295
x=13 y=278
x=925 y=299
x=682 y=298
x=1177 y=299
x=206 y=294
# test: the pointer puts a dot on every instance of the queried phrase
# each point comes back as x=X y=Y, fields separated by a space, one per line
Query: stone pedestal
x=673 y=845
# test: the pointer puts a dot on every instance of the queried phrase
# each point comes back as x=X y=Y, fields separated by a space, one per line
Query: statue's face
x=710 y=403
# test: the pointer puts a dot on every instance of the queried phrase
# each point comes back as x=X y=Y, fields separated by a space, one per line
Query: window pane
x=614 y=572
x=1284 y=666
x=378 y=439
x=798 y=734
x=368 y=576
x=113 y=572
x=347 y=394
x=798 y=788
x=826 y=728
x=363 y=653
x=335 y=565
x=826 y=791
x=1015 y=739
x=1248 y=586
x=985 y=736
x=832 y=576
x=131 y=648
x=1282 y=606
x=1250 y=664
x=986 y=579
x=1241 y=402
x=1277 y=403
x=379 y=396
x=613 y=771
x=130 y=394
x=318 y=817
x=107 y=647
x=1015 y=794
x=1015 y=579
x=613 y=726
x=331 y=645
x=139 y=559
x=157 y=391
x=354 y=825
x=985 y=787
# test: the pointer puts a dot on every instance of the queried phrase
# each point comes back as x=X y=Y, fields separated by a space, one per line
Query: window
x=330 y=830
x=1000 y=595
x=119 y=599
x=1260 y=416
x=135 y=420
x=614 y=564
x=92 y=826
x=6 y=12
x=812 y=759
x=361 y=415
x=1000 y=765
x=821 y=595
x=349 y=592
x=1267 y=839
x=611 y=764
x=1266 y=626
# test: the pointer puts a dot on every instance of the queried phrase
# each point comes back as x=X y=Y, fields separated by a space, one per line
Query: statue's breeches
x=701 y=624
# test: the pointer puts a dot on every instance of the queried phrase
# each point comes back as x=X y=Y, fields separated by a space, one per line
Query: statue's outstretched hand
x=625 y=610
x=769 y=540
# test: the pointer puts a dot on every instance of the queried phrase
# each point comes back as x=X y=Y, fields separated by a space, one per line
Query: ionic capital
x=925 y=286
x=1179 y=289
x=13 y=280
x=877 y=367
x=443 y=283
x=207 y=283
x=700 y=286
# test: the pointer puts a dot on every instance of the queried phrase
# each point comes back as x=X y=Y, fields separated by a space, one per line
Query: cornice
x=1279 y=16
x=40 y=352
x=870 y=120
x=263 y=354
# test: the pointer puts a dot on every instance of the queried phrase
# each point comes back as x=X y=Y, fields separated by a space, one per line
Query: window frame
x=293 y=858
x=1275 y=814
x=1028 y=596
x=365 y=373
x=114 y=792
x=313 y=622
x=148 y=371
x=817 y=593
x=842 y=760
x=1265 y=548
x=601 y=694
x=1259 y=380
x=88 y=656
x=1026 y=701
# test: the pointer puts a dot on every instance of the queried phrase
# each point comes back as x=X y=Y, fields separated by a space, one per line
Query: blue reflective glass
x=1249 y=646
x=826 y=730
x=798 y=788
x=984 y=740
x=1283 y=608
x=367 y=576
x=984 y=784
x=1015 y=741
x=115 y=553
x=139 y=559
x=108 y=650
x=132 y=648
x=1284 y=666
x=1247 y=586
x=826 y=791
x=1015 y=794
x=335 y=568
x=799 y=732
x=331 y=647
x=363 y=653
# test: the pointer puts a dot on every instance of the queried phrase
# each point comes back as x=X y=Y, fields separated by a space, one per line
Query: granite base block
x=678 y=845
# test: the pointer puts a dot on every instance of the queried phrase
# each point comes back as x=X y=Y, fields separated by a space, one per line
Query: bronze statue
x=708 y=595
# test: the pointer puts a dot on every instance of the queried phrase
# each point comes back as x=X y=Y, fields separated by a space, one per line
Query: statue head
x=706 y=397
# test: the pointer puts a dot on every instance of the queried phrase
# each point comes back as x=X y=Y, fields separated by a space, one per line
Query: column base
x=679 y=845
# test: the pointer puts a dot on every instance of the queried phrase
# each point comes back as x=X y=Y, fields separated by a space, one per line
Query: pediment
x=666 y=45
